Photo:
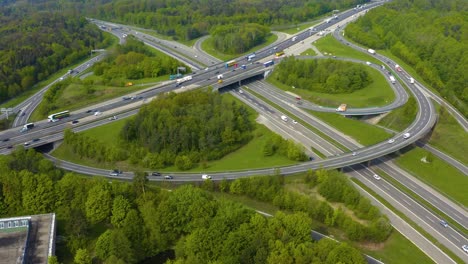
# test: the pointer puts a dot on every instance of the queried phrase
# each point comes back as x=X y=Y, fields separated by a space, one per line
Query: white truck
x=392 y=79
x=371 y=51
x=284 y=118
x=184 y=79
x=342 y=108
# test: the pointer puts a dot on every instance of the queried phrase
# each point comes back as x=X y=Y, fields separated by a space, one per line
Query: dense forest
x=231 y=39
x=36 y=44
x=104 y=221
x=431 y=36
x=325 y=76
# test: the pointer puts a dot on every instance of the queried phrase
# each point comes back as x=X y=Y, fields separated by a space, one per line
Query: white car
x=97 y=113
x=377 y=177
x=390 y=141
x=294 y=122
x=206 y=176
x=406 y=135
x=465 y=248
x=354 y=153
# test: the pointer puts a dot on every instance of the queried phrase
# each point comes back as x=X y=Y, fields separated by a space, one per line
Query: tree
x=120 y=208
x=99 y=203
x=140 y=180
x=82 y=256
x=114 y=243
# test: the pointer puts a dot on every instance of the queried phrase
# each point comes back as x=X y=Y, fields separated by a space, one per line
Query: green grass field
x=308 y=52
x=449 y=137
x=364 y=133
x=332 y=46
x=208 y=47
x=438 y=174
x=378 y=93
x=398 y=250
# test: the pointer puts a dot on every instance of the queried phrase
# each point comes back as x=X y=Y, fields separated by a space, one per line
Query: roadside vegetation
x=127 y=222
x=440 y=57
x=331 y=46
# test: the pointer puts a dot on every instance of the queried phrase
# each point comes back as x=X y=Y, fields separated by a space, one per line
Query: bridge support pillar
x=240 y=83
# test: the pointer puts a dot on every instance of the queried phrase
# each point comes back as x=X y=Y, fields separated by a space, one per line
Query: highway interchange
x=451 y=238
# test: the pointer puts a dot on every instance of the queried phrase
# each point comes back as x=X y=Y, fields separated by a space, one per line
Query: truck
x=251 y=57
x=269 y=63
x=231 y=63
x=398 y=68
x=371 y=51
x=342 y=108
x=27 y=127
x=392 y=79
x=184 y=79
x=284 y=118
x=175 y=76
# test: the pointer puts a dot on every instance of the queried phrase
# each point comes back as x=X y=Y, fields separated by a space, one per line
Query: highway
x=49 y=132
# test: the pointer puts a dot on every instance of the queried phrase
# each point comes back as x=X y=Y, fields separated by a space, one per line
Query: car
x=10 y=147
x=75 y=122
x=465 y=248
x=23 y=114
x=26 y=144
x=113 y=173
x=23 y=129
x=377 y=177
x=36 y=140
x=368 y=63
x=168 y=177
x=354 y=153
x=89 y=111
x=155 y=173
x=97 y=113
x=125 y=98
x=294 y=121
x=61 y=78
x=112 y=118
x=390 y=141
x=5 y=139
x=206 y=176
x=406 y=135
x=443 y=223
x=241 y=92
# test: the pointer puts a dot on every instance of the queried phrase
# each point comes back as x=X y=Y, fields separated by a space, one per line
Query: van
x=284 y=118
x=206 y=176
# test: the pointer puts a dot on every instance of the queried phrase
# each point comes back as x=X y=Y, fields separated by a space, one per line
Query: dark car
x=5 y=139
x=168 y=177
x=23 y=114
x=89 y=111
x=36 y=140
x=75 y=122
x=10 y=147
x=155 y=174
